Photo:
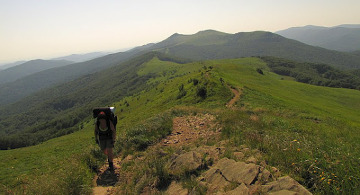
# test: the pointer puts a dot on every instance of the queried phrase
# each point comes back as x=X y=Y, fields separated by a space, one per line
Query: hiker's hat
x=102 y=115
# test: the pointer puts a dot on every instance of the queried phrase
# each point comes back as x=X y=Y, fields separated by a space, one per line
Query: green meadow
x=308 y=132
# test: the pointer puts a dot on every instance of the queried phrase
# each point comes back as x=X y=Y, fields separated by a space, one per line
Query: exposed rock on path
x=189 y=161
x=284 y=185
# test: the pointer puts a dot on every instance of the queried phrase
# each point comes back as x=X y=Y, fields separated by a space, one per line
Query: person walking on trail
x=105 y=134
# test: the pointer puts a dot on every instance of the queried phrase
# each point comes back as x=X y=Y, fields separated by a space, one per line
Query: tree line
x=315 y=74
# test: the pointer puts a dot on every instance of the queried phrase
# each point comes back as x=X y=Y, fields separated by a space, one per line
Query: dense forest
x=315 y=74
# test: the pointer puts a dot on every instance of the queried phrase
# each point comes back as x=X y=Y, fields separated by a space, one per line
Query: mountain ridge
x=30 y=67
x=257 y=43
x=203 y=45
x=11 y=92
x=82 y=57
x=344 y=38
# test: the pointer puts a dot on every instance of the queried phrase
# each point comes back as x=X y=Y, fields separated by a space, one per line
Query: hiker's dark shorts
x=106 y=143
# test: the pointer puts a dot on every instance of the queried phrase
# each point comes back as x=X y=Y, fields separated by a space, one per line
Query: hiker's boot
x=111 y=166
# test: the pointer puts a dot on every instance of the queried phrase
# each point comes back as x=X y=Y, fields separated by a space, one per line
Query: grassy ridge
x=206 y=45
x=50 y=160
x=309 y=132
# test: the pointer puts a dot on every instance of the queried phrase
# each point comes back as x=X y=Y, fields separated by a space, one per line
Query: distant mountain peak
x=202 y=32
x=210 y=31
x=176 y=35
x=349 y=25
x=345 y=37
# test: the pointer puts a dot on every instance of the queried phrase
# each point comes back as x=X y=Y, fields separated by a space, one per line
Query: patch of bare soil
x=187 y=129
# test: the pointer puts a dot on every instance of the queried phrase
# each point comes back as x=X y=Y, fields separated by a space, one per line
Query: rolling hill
x=14 y=91
x=245 y=44
x=341 y=38
x=57 y=111
x=8 y=65
x=28 y=68
x=82 y=57
x=308 y=131
x=203 y=45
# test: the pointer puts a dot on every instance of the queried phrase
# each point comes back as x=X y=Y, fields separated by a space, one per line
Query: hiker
x=105 y=134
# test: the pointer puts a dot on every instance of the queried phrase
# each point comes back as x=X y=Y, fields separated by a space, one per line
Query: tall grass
x=322 y=163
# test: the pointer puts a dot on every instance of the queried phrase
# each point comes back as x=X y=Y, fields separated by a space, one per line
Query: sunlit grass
x=307 y=131
x=310 y=132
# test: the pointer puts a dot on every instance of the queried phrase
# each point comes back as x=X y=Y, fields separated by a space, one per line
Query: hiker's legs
x=107 y=148
x=110 y=154
x=110 y=158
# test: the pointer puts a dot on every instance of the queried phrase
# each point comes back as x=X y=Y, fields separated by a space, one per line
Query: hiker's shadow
x=107 y=178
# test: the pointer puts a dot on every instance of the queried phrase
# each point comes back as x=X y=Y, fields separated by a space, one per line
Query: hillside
x=28 y=68
x=58 y=111
x=200 y=46
x=8 y=65
x=82 y=57
x=216 y=45
x=308 y=132
x=341 y=38
x=315 y=74
x=14 y=91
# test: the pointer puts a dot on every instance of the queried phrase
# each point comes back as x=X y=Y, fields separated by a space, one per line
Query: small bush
x=202 y=92
x=259 y=71
x=181 y=94
x=181 y=87
x=162 y=174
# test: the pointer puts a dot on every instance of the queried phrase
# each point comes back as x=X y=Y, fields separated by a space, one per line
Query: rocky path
x=243 y=174
x=188 y=129
x=220 y=168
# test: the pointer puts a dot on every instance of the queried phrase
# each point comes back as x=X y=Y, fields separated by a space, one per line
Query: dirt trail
x=187 y=129
x=237 y=94
x=104 y=181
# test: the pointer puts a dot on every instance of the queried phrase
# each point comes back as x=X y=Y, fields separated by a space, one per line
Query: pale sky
x=32 y=29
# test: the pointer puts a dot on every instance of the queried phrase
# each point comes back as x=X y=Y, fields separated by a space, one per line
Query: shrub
x=181 y=94
x=201 y=92
x=259 y=71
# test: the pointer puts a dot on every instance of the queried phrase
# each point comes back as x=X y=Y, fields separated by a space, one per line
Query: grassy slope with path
x=309 y=131
x=274 y=114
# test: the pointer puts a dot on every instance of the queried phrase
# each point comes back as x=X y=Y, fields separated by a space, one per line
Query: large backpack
x=110 y=114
